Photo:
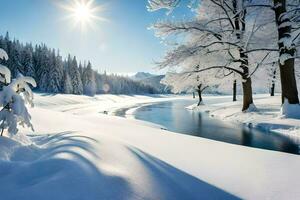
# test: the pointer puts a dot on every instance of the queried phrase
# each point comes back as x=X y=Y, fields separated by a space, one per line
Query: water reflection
x=176 y=118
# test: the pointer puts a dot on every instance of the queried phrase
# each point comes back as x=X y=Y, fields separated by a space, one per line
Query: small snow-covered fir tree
x=13 y=97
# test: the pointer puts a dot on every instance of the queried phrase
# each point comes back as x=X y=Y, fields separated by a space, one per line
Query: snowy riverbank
x=267 y=116
x=78 y=153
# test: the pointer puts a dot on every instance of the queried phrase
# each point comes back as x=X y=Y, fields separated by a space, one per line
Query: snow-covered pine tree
x=75 y=76
x=99 y=83
x=27 y=67
x=13 y=97
x=14 y=62
x=44 y=69
x=88 y=80
x=55 y=73
x=67 y=87
x=80 y=68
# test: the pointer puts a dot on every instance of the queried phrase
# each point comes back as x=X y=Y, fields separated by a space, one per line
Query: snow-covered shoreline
x=267 y=117
x=78 y=153
x=108 y=103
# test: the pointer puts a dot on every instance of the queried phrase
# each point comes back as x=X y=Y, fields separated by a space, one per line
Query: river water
x=174 y=116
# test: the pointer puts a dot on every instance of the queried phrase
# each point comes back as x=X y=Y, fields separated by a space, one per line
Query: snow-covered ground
x=78 y=153
x=267 y=115
x=82 y=105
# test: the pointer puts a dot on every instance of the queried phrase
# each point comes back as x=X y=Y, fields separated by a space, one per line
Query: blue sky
x=122 y=44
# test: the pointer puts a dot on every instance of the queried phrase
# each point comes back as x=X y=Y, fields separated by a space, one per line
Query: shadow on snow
x=172 y=183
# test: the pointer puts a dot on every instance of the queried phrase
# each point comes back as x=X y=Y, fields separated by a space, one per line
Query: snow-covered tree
x=13 y=97
x=14 y=62
x=43 y=65
x=189 y=82
x=88 y=80
x=55 y=73
x=75 y=76
x=223 y=36
x=3 y=55
x=287 y=15
x=27 y=67
x=67 y=87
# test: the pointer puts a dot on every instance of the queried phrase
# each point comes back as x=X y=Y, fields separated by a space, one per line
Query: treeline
x=54 y=74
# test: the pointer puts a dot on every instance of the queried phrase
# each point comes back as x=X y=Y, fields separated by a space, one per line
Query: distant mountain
x=141 y=76
x=152 y=80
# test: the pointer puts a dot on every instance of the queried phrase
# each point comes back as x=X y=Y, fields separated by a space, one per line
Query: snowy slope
x=81 y=105
x=78 y=153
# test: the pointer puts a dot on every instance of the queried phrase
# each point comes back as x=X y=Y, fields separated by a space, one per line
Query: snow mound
x=290 y=110
x=195 y=106
x=58 y=166
x=201 y=103
x=192 y=107
x=252 y=108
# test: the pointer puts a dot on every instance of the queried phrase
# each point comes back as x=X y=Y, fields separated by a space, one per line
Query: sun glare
x=84 y=13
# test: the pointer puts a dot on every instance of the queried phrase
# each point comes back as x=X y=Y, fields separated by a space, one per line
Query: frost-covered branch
x=154 y=5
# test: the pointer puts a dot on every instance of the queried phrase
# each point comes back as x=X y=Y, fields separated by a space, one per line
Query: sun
x=84 y=13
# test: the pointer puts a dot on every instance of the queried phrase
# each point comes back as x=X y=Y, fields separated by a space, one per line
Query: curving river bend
x=174 y=116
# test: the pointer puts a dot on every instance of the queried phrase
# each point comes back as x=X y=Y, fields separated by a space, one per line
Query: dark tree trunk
x=200 y=97
x=287 y=71
x=272 y=89
x=199 y=91
x=247 y=94
x=234 y=91
x=288 y=82
x=247 y=83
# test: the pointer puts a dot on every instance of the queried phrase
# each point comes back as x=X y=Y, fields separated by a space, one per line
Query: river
x=174 y=116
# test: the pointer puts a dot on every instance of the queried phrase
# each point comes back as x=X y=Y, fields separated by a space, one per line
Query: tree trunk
x=200 y=97
x=247 y=83
x=234 y=91
x=199 y=91
x=240 y=27
x=272 y=89
x=287 y=71
x=247 y=93
x=288 y=82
